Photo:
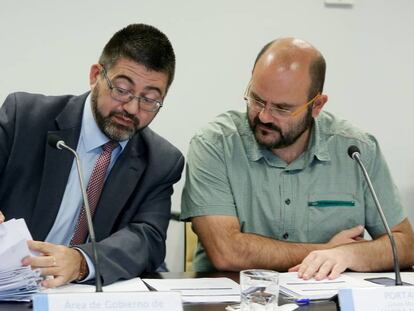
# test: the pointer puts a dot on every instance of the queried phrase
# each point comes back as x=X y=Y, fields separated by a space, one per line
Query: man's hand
x=347 y=236
x=2 y=218
x=328 y=263
x=61 y=262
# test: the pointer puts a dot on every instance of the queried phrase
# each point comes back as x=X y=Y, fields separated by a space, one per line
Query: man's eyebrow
x=283 y=104
x=147 y=88
x=153 y=88
x=257 y=97
x=121 y=76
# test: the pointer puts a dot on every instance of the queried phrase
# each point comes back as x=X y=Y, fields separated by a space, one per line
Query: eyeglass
x=259 y=105
x=125 y=96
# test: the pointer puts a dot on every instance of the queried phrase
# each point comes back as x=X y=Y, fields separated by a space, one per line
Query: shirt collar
x=318 y=145
x=92 y=136
x=253 y=149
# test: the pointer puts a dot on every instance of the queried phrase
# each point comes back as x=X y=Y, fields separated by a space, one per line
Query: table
x=326 y=306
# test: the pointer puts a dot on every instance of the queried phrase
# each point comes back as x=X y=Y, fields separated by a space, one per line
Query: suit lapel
x=121 y=182
x=57 y=166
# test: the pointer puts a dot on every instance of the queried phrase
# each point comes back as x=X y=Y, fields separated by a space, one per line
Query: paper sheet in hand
x=17 y=283
x=13 y=246
x=292 y=286
x=207 y=290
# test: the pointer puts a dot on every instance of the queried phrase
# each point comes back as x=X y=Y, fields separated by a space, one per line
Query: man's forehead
x=136 y=72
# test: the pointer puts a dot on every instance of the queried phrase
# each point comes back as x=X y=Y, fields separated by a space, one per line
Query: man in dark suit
x=40 y=184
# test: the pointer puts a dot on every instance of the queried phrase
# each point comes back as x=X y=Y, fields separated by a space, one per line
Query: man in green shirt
x=274 y=187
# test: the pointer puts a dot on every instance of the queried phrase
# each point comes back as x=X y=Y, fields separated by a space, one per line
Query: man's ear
x=94 y=74
x=318 y=104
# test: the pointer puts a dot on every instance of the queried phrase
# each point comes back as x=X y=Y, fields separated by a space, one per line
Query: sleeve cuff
x=91 y=267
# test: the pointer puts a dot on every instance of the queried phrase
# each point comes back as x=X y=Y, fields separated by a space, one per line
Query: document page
x=201 y=290
x=17 y=283
x=297 y=288
x=132 y=285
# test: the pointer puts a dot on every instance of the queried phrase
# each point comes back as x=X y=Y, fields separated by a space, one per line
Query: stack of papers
x=294 y=287
x=17 y=283
x=202 y=290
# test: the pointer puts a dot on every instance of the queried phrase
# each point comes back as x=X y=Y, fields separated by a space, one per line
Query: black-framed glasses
x=125 y=96
x=276 y=112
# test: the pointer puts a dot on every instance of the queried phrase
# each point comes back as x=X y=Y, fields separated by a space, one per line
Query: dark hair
x=317 y=70
x=143 y=44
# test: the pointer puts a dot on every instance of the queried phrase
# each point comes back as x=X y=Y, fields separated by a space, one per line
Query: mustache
x=126 y=115
x=270 y=126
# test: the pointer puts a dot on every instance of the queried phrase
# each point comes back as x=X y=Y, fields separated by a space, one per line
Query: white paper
x=201 y=290
x=295 y=287
x=17 y=283
x=13 y=232
x=132 y=285
x=405 y=276
x=12 y=256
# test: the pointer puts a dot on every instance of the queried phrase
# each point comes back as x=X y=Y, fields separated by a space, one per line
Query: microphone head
x=352 y=150
x=54 y=141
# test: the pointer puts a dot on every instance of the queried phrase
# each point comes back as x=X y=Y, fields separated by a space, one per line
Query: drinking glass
x=259 y=290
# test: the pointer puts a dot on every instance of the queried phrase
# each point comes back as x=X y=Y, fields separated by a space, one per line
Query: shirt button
x=286 y=235
x=287 y=201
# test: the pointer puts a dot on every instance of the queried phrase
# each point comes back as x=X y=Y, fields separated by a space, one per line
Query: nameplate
x=392 y=298
x=121 y=301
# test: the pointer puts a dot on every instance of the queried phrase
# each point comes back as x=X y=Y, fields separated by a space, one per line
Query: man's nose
x=265 y=116
x=132 y=107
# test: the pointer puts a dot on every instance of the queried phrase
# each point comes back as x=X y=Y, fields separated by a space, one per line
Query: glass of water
x=259 y=290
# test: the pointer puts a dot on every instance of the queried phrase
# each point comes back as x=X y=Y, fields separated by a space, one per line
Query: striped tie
x=93 y=191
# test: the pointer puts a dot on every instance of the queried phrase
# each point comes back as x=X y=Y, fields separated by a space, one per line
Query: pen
x=306 y=301
x=303 y=301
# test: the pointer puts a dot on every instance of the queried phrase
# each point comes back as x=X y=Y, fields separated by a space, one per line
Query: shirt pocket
x=330 y=213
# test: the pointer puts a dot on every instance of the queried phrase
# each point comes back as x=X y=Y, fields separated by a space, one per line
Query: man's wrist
x=83 y=268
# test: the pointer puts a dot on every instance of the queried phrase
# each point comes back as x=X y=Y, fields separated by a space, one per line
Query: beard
x=110 y=128
x=286 y=138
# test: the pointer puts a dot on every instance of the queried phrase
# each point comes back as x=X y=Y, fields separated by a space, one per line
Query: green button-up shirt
x=309 y=200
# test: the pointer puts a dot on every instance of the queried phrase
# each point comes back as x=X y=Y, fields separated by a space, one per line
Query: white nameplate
x=125 y=301
x=392 y=298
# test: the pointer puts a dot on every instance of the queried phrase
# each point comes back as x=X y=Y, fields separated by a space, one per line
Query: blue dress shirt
x=89 y=148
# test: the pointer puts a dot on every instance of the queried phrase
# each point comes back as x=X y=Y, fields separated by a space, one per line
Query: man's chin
x=119 y=132
x=266 y=138
x=268 y=143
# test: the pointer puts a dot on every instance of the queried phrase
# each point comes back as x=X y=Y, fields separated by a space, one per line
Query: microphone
x=354 y=153
x=56 y=142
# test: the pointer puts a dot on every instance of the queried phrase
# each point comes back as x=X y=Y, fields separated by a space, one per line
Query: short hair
x=143 y=44
x=317 y=70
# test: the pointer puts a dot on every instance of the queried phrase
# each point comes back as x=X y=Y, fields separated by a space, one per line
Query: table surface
x=325 y=306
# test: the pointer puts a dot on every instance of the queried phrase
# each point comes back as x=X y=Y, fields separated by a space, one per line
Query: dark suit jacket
x=132 y=215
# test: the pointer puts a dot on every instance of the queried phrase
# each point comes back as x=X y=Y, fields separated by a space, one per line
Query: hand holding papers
x=17 y=283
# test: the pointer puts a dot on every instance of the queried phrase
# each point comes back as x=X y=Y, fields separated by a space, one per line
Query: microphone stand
x=98 y=282
x=398 y=281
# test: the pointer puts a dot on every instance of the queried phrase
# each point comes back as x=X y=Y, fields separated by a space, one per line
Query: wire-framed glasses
x=125 y=96
x=275 y=111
